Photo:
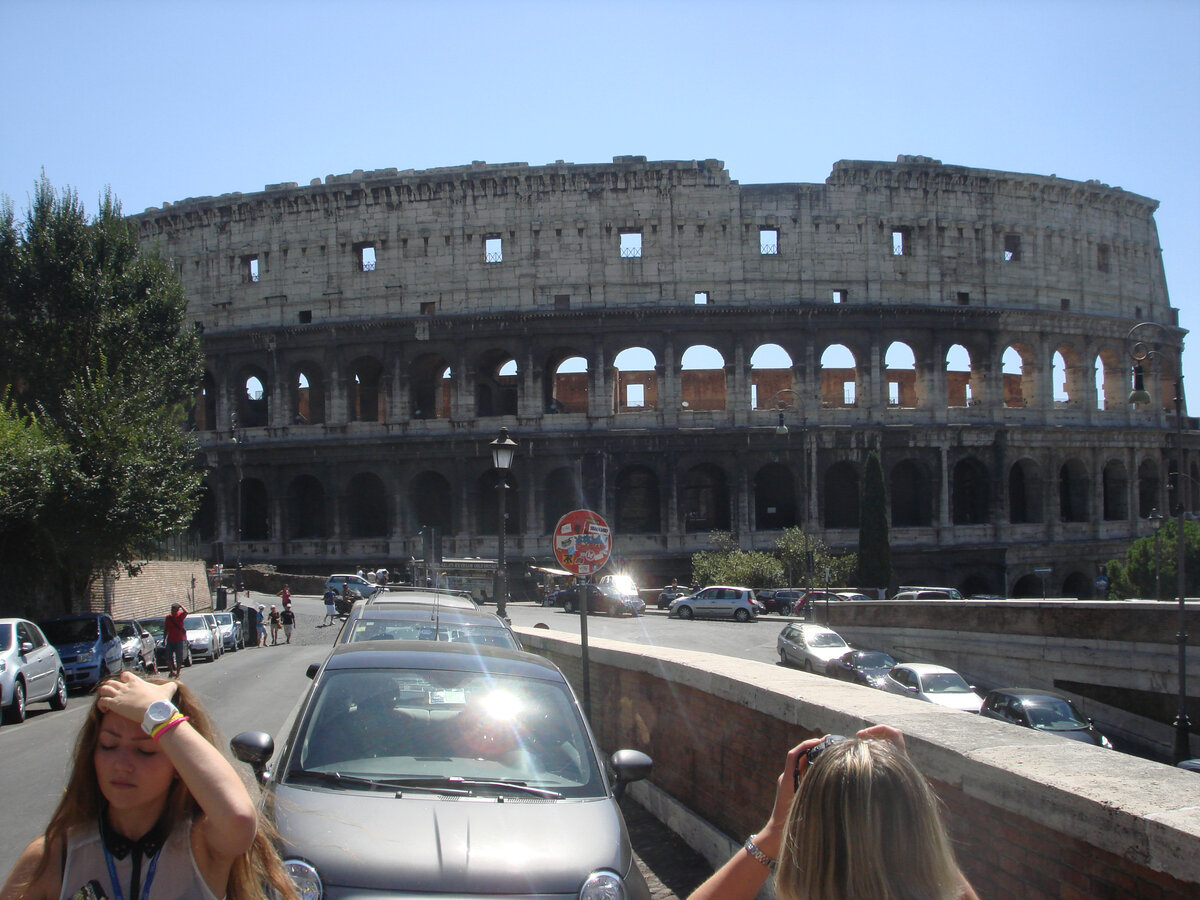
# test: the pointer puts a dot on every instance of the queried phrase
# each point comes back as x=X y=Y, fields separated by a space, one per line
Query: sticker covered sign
x=582 y=542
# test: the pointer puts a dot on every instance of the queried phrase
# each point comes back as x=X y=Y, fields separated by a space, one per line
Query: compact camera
x=813 y=752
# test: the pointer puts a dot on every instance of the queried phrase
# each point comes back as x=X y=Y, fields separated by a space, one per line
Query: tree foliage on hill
x=1134 y=576
x=101 y=369
x=729 y=564
x=874 y=541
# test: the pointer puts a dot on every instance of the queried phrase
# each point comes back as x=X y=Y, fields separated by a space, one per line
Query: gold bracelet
x=753 y=850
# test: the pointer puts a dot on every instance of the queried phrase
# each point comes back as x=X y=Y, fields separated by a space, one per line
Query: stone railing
x=1032 y=815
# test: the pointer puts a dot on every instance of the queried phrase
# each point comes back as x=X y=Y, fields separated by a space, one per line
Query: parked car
x=137 y=646
x=426 y=622
x=671 y=592
x=157 y=627
x=717 y=602
x=602 y=598
x=908 y=592
x=88 y=645
x=1044 y=710
x=867 y=667
x=202 y=639
x=215 y=627
x=30 y=669
x=784 y=601
x=934 y=684
x=809 y=646
x=487 y=744
x=854 y=596
x=232 y=636
x=356 y=583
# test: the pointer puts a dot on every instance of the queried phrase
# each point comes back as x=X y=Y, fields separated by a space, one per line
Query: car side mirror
x=255 y=748
x=26 y=646
x=312 y=670
x=629 y=766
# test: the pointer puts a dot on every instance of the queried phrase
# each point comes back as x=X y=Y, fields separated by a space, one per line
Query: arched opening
x=306 y=517
x=901 y=378
x=971 y=498
x=704 y=499
x=839 y=378
x=638 y=501
x=1116 y=491
x=1112 y=384
x=770 y=373
x=774 y=498
x=702 y=379
x=567 y=387
x=366 y=506
x=252 y=400
x=430 y=500
x=255 y=512
x=562 y=495
x=496 y=385
x=308 y=396
x=1067 y=377
x=488 y=503
x=1019 y=375
x=1073 y=488
x=365 y=393
x=635 y=382
x=1029 y=587
x=911 y=493
x=429 y=388
x=1024 y=493
x=1149 y=488
x=960 y=389
x=840 y=495
x=204 y=520
x=1079 y=586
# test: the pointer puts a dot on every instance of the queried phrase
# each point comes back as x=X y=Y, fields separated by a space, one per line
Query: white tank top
x=176 y=876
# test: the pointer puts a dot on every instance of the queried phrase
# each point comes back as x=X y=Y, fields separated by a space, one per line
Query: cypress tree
x=874 y=542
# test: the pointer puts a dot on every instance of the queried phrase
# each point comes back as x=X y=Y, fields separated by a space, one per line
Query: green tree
x=874 y=544
x=102 y=368
x=729 y=564
x=793 y=548
x=1134 y=575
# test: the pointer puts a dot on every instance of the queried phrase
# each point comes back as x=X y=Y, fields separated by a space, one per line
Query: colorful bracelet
x=753 y=850
x=177 y=718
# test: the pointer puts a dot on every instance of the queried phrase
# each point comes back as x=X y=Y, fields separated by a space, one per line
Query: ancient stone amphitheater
x=684 y=354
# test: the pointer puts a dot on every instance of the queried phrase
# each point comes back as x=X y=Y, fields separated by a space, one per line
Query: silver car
x=809 y=646
x=717 y=602
x=231 y=631
x=30 y=669
x=202 y=642
x=430 y=769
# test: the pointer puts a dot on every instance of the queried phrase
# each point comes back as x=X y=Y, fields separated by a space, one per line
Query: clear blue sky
x=168 y=100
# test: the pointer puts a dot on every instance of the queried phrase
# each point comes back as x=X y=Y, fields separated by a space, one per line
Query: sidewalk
x=672 y=869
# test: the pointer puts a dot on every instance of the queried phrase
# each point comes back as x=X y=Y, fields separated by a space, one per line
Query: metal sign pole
x=583 y=647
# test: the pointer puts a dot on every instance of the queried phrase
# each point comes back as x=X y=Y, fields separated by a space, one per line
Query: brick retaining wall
x=152 y=591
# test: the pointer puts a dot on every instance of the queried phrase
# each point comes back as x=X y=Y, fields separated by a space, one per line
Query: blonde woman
x=862 y=824
x=151 y=811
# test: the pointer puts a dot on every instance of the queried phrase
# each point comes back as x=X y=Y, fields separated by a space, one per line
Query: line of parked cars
x=427 y=709
x=816 y=648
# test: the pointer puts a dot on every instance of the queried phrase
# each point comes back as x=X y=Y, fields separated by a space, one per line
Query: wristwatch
x=754 y=850
x=157 y=713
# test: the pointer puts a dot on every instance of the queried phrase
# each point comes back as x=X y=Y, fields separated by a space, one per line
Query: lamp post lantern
x=503 y=449
x=1140 y=353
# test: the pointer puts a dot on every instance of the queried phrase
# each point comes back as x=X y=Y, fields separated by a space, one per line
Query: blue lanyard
x=116 y=883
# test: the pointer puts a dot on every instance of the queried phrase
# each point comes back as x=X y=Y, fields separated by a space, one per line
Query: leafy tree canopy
x=729 y=564
x=101 y=369
x=1134 y=576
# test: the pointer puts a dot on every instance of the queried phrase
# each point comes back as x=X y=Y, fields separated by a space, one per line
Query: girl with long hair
x=857 y=823
x=151 y=810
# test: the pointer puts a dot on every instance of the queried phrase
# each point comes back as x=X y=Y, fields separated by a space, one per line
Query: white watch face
x=157 y=713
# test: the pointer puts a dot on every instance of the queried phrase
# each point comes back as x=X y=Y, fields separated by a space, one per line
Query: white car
x=201 y=637
x=934 y=684
x=809 y=646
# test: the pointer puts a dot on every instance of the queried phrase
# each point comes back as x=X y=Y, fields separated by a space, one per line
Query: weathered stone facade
x=367 y=336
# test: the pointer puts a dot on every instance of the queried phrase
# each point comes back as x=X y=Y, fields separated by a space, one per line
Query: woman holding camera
x=857 y=820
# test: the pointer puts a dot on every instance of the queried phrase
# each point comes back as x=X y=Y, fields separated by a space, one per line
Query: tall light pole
x=1140 y=353
x=503 y=449
x=237 y=462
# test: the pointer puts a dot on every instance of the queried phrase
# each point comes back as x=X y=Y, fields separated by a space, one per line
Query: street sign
x=1044 y=570
x=582 y=542
x=1102 y=582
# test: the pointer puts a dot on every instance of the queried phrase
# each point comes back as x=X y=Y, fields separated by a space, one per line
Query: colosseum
x=685 y=354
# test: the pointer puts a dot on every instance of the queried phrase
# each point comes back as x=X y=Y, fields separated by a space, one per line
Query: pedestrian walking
x=288 y=618
x=330 y=606
x=262 y=625
x=176 y=638
x=285 y=595
x=273 y=619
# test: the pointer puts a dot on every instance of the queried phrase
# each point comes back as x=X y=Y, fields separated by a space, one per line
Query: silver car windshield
x=825 y=639
x=431 y=729
x=944 y=683
x=384 y=629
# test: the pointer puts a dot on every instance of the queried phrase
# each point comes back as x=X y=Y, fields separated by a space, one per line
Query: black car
x=784 y=601
x=671 y=592
x=601 y=599
x=1044 y=710
x=868 y=667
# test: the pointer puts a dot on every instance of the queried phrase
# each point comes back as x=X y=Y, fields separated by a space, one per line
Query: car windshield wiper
x=454 y=781
x=376 y=784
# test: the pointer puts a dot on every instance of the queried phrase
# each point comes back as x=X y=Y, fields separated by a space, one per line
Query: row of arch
x=696 y=499
x=495 y=385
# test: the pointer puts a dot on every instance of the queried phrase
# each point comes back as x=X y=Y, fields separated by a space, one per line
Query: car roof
x=444 y=599
x=437 y=655
x=1028 y=693
x=86 y=615
x=415 y=610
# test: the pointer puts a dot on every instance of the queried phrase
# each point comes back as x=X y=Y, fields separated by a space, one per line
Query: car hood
x=78 y=647
x=373 y=841
x=825 y=654
x=969 y=701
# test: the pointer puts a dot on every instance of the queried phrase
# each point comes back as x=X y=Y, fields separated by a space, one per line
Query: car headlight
x=1105 y=742
x=306 y=879
x=603 y=885
x=86 y=655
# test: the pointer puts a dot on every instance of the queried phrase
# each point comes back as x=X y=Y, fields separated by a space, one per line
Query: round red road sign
x=582 y=542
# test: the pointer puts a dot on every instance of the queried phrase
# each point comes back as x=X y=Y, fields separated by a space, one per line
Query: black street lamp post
x=1140 y=352
x=503 y=449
